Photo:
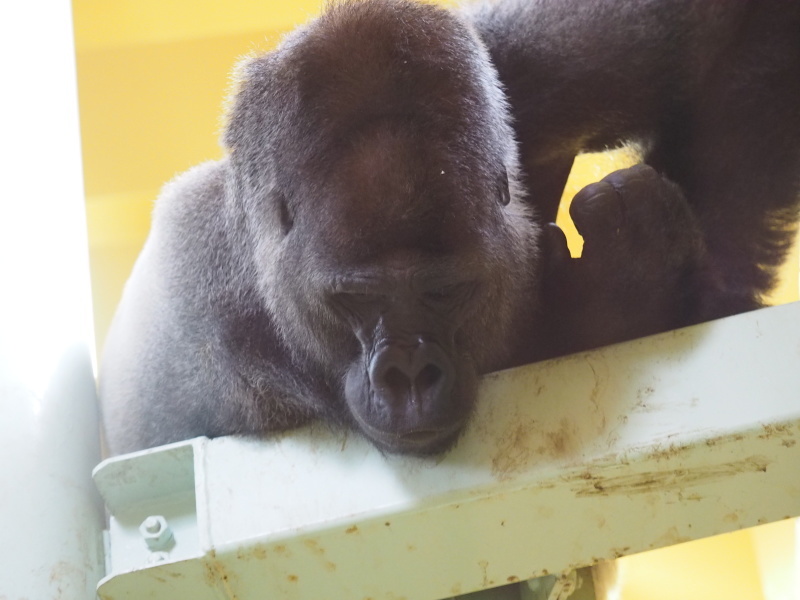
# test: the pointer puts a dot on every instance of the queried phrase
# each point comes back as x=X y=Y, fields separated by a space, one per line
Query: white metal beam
x=567 y=462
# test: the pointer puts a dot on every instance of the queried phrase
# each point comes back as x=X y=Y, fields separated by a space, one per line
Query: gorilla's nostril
x=402 y=378
x=428 y=377
x=396 y=380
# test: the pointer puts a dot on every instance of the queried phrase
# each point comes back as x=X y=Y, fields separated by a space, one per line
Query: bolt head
x=156 y=532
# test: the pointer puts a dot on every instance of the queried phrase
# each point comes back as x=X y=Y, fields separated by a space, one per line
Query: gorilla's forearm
x=582 y=76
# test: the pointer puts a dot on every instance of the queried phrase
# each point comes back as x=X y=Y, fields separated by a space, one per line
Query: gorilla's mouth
x=421 y=441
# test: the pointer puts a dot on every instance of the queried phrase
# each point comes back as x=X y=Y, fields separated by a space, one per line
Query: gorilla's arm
x=583 y=76
x=709 y=90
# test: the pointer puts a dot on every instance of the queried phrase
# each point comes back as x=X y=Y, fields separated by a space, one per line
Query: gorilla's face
x=402 y=272
x=391 y=242
x=411 y=383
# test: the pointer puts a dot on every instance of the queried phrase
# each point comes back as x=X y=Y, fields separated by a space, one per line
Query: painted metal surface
x=566 y=463
x=51 y=516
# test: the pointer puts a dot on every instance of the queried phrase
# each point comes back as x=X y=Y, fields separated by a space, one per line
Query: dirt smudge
x=659 y=481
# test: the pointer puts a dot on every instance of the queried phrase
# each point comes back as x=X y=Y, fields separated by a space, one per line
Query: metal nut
x=156 y=532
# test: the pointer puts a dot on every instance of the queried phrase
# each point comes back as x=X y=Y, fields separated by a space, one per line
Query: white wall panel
x=50 y=514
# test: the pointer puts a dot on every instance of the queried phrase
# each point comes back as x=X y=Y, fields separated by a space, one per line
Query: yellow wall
x=152 y=78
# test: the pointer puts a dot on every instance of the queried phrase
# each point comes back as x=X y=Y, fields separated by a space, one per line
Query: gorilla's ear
x=284 y=213
x=504 y=194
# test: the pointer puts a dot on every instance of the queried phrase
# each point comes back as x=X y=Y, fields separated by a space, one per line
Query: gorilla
x=379 y=231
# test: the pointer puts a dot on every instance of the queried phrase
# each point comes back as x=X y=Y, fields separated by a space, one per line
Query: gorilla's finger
x=597 y=210
x=557 y=250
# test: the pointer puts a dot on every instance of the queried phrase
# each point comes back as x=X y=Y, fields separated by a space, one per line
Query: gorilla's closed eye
x=361 y=298
x=449 y=294
x=505 y=194
x=355 y=300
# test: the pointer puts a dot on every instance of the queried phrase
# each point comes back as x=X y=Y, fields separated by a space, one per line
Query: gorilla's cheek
x=410 y=398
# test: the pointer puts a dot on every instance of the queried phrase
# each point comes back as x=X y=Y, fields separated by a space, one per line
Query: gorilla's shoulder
x=198 y=193
x=193 y=230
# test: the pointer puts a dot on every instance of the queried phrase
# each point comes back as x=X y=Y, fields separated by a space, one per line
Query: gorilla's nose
x=414 y=381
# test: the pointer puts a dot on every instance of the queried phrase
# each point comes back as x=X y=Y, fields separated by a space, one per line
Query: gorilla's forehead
x=394 y=149
x=393 y=188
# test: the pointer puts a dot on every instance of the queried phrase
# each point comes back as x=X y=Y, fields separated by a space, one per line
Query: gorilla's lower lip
x=415 y=441
x=422 y=436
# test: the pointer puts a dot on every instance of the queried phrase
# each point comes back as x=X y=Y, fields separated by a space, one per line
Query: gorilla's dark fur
x=367 y=247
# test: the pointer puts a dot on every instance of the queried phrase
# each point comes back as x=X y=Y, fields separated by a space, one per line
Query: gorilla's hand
x=639 y=233
x=637 y=273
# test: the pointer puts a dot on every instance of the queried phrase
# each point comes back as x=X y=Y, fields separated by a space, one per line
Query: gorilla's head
x=373 y=157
